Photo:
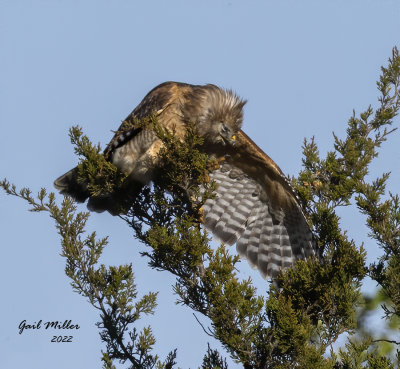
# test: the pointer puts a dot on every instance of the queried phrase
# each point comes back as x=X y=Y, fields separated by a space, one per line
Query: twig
x=202 y=326
x=385 y=340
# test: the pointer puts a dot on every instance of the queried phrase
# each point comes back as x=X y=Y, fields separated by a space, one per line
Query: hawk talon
x=200 y=215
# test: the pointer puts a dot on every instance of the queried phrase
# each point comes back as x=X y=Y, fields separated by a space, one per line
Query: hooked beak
x=230 y=141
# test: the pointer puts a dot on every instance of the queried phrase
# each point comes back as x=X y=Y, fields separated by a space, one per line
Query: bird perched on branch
x=255 y=205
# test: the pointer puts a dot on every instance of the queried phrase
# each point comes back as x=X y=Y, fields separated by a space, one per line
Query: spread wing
x=257 y=209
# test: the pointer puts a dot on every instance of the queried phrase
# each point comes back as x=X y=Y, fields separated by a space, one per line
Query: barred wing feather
x=270 y=240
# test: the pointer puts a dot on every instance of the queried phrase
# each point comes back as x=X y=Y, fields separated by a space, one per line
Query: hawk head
x=217 y=112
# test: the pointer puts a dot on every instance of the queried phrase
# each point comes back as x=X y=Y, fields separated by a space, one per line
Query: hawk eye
x=225 y=128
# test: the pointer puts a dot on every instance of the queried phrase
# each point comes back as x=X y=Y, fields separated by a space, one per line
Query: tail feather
x=68 y=184
x=117 y=202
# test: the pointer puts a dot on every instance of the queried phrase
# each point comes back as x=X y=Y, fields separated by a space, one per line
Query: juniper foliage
x=293 y=326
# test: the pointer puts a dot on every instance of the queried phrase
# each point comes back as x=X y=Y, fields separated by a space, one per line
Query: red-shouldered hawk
x=255 y=206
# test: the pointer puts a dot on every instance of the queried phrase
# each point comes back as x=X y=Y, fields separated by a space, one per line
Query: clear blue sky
x=302 y=65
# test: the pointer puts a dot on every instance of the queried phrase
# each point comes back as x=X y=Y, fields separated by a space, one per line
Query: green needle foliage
x=111 y=290
x=100 y=175
x=307 y=308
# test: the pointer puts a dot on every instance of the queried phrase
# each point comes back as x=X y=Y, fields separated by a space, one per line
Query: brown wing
x=257 y=209
x=155 y=101
x=175 y=104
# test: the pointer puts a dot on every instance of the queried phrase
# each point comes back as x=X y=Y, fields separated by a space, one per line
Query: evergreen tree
x=308 y=307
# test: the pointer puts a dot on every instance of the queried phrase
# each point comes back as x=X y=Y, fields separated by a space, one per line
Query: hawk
x=255 y=205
